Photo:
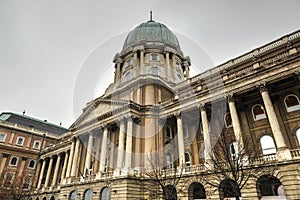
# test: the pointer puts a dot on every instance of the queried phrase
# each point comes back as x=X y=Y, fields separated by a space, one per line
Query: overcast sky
x=44 y=44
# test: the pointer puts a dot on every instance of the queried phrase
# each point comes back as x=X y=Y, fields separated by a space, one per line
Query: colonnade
x=170 y=62
x=66 y=165
x=283 y=152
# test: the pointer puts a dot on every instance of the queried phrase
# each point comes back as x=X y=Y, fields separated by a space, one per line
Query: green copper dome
x=151 y=31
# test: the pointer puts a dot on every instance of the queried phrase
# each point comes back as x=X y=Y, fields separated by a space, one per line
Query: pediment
x=96 y=109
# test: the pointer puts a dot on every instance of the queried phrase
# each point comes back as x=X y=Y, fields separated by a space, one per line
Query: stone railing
x=265 y=158
x=194 y=168
x=107 y=175
x=295 y=153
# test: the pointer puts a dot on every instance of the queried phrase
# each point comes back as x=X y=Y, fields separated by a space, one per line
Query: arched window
x=196 y=191
x=106 y=165
x=88 y=194
x=227 y=119
x=187 y=159
x=129 y=62
x=170 y=193
x=267 y=145
x=105 y=194
x=258 y=112
x=52 y=198
x=233 y=147
x=291 y=103
x=73 y=195
x=154 y=71
x=169 y=160
x=229 y=189
x=13 y=161
x=298 y=136
x=128 y=76
x=168 y=134
x=178 y=65
x=44 y=198
x=32 y=164
x=185 y=132
x=268 y=185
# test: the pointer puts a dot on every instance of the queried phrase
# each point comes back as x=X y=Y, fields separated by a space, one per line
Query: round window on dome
x=154 y=71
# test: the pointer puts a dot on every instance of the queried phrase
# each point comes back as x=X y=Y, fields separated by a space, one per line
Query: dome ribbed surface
x=151 y=31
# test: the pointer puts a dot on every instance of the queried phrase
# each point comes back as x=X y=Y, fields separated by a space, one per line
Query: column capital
x=118 y=60
x=202 y=107
x=262 y=87
x=297 y=75
x=177 y=114
x=231 y=98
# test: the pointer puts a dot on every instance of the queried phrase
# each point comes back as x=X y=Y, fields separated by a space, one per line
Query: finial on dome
x=151 y=16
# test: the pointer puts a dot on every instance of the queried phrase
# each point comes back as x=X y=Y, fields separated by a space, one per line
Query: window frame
x=128 y=76
x=188 y=163
x=291 y=108
x=269 y=149
x=129 y=62
x=178 y=65
x=34 y=163
x=34 y=144
x=297 y=134
x=105 y=192
x=4 y=137
x=225 y=120
x=10 y=162
x=185 y=133
x=154 y=74
x=20 y=137
x=152 y=55
x=233 y=146
x=179 y=77
x=170 y=131
x=260 y=116
x=169 y=162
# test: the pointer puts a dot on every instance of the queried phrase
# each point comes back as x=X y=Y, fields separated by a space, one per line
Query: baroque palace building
x=154 y=116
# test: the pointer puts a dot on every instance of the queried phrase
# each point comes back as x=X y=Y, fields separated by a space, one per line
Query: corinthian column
x=121 y=145
x=56 y=170
x=128 y=144
x=103 y=150
x=75 y=159
x=206 y=136
x=235 y=122
x=180 y=140
x=63 y=173
x=274 y=123
x=48 y=173
x=87 y=165
x=69 y=166
x=41 y=175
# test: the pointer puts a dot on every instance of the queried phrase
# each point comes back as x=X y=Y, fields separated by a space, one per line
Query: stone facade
x=155 y=116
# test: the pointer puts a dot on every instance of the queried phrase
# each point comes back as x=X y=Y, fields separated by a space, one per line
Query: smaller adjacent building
x=21 y=140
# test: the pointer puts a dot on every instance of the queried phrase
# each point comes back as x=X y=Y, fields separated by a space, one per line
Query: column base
x=284 y=154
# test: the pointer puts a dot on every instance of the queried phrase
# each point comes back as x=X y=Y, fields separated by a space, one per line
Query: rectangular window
x=94 y=142
x=20 y=141
x=154 y=57
x=37 y=144
x=2 y=137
